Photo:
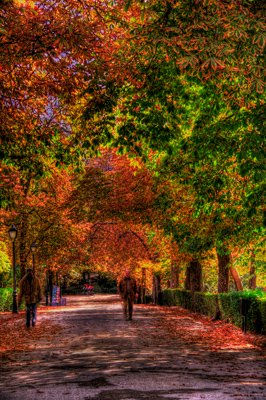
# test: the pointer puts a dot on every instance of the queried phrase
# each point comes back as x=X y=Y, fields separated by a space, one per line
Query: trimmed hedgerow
x=229 y=306
x=262 y=308
x=203 y=303
x=6 y=299
x=244 y=309
x=148 y=299
x=206 y=303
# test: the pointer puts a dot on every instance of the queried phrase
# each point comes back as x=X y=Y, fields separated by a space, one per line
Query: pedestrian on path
x=30 y=289
x=127 y=289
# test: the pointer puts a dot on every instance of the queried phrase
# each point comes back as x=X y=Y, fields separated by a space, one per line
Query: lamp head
x=33 y=247
x=13 y=232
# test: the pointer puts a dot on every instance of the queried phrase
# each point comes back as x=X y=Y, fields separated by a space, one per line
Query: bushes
x=148 y=299
x=244 y=309
x=6 y=299
x=262 y=308
x=206 y=303
x=230 y=308
x=203 y=303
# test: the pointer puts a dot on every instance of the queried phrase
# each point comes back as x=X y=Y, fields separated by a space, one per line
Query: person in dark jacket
x=127 y=289
x=30 y=289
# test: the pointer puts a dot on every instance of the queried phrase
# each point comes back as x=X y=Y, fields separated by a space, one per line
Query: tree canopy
x=132 y=132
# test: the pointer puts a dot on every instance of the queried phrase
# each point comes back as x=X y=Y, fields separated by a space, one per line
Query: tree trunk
x=223 y=271
x=22 y=244
x=236 y=278
x=50 y=278
x=143 y=286
x=252 y=284
x=193 y=279
x=156 y=289
x=174 y=281
x=188 y=277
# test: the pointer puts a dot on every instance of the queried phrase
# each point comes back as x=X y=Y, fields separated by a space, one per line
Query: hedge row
x=6 y=299
x=244 y=309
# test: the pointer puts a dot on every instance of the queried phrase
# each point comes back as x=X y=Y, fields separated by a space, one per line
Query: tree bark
x=252 y=283
x=223 y=271
x=188 y=277
x=193 y=279
x=174 y=281
x=156 y=288
x=236 y=278
x=143 y=286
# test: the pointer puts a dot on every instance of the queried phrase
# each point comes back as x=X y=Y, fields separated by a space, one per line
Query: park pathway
x=99 y=356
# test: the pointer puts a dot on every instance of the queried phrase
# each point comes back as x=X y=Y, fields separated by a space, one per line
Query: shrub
x=245 y=309
x=148 y=298
x=206 y=303
x=6 y=299
x=203 y=303
x=230 y=308
x=262 y=308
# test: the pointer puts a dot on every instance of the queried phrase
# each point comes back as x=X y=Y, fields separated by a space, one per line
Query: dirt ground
x=87 y=351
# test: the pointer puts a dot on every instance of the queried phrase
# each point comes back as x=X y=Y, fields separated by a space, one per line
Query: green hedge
x=262 y=308
x=148 y=299
x=203 y=303
x=6 y=299
x=230 y=306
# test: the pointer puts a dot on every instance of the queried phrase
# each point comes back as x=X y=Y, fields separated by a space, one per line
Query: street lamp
x=33 y=248
x=13 y=234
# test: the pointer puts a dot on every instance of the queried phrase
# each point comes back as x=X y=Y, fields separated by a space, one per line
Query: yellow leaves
x=25 y=3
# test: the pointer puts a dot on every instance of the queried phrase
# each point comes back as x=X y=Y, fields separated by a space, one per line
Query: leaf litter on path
x=199 y=329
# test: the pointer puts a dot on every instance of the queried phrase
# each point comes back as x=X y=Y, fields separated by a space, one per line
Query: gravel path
x=99 y=356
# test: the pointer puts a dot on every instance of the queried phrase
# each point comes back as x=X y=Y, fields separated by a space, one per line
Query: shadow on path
x=99 y=356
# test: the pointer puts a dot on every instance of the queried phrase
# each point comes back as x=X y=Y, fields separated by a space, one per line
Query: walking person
x=30 y=289
x=127 y=289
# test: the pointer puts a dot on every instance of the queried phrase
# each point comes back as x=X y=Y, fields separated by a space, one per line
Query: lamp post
x=47 y=289
x=13 y=234
x=33 y=248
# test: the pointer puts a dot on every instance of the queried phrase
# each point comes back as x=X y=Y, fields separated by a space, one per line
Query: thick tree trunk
x=252 y=284
x=156 y=288
x=22 y=244
x=223 y=271
x=236 y=278
x=143 y=286
x=174 y=281
x=188 y=277
x=193 y=279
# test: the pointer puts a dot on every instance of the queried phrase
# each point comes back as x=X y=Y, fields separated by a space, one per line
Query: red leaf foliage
x=201 y=330
x=14 y=336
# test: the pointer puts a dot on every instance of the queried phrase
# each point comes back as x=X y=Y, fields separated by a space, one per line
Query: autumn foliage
x=131 y=136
